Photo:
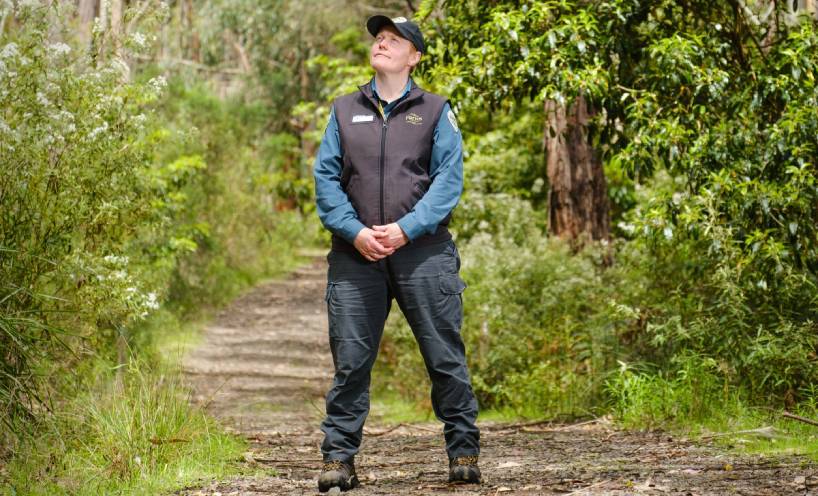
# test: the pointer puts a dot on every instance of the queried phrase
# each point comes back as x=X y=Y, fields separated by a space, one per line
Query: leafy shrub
x=78 y=185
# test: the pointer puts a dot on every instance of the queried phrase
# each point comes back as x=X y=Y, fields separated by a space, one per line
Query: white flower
x=42 y=100
x=627 y=227
x=677 y=198
x=119 y=65
x=139 y=120
x=59 y=48
x=97 y=130
x=668 y=232
x=9 y=51
x=116 y=259
x=139 y=39
x=152 y=302
x=158 y=84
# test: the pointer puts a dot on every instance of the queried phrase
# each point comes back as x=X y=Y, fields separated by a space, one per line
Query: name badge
x=362 y=118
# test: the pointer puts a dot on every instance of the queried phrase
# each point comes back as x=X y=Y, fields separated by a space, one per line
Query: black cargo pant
x=426 y=283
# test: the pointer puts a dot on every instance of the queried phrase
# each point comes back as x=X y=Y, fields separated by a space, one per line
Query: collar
x=406 y=90
x=414 y=92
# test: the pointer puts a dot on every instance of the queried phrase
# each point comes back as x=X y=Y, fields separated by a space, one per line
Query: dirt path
x=263 y=370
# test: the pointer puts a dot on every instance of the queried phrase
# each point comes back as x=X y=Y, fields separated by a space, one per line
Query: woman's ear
x=414 y=58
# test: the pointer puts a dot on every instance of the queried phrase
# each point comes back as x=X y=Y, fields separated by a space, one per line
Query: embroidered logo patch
x=453 y=121
x=415 y=119
x=362 y=118
x=398 y=20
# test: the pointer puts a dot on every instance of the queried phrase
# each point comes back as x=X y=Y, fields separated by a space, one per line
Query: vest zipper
x=382 y=165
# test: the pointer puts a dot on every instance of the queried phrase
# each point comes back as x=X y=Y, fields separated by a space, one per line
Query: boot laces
x=465 y=460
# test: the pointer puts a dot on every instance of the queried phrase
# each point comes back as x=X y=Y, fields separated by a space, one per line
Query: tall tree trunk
x=578 y=196
x=118 y=34
x=87 y=11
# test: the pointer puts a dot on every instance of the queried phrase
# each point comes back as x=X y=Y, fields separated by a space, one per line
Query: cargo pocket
x=328 y=292
x=452 y=283
x=331 y=320
x=452 y=286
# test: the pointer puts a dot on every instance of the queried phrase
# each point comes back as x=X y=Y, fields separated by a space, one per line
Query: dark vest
x=386 y=163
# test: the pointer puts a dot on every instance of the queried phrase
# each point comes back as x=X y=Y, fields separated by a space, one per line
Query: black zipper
x=382 y=164
x=383 y=153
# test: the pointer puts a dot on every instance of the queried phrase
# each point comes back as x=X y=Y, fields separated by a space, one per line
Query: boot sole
x=343 y=485
x=464 y=476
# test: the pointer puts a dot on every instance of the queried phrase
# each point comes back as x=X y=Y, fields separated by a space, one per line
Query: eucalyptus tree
x=722 y=95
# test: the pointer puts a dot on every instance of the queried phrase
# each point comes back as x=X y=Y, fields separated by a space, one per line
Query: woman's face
x=392 y=53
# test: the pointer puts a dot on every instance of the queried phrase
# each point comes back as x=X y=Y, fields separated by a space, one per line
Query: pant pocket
x=328 y=293
x=451 y=286
x=451 y=283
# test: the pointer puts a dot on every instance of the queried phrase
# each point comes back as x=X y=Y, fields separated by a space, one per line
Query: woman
x=388 y=174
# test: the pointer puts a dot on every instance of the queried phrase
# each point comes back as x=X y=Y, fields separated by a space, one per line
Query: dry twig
x=799 y=418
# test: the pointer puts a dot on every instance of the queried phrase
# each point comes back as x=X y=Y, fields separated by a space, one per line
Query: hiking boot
x=337 y=473
x=464 y=469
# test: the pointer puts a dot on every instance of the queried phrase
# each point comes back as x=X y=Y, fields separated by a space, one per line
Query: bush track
x=264 y=366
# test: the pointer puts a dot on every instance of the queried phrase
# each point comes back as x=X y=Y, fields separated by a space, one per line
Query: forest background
x=637 y=229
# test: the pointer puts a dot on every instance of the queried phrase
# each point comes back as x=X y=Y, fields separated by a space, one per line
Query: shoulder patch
x=453 y=121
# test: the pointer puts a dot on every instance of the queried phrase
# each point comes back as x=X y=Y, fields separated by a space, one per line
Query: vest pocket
x=419 y=188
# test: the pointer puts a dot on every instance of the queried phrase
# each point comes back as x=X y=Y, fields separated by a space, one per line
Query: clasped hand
x=380 y=241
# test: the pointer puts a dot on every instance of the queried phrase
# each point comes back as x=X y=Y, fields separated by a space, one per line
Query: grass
x=140 y=437
x=697 y=405
x=388 y=407
x=694 y=403
x=758 y=431
x=140 y=434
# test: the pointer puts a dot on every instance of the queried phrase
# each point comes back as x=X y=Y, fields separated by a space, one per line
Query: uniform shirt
x=445 y=170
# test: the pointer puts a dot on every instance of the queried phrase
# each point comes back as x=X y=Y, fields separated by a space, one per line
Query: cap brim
x=376 y=22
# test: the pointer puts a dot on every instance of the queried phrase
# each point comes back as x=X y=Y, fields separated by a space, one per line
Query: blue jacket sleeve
x=446 y=172
x=334 y=208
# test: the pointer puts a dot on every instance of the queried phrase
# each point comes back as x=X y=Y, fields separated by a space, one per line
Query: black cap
x=405 y=27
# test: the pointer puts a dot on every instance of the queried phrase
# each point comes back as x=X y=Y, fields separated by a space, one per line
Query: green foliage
x=120 y=197
x=235 y=212
x=538 y=325
x=694 y=390
x=76 y=190
x=707 y=123
x=145 y=438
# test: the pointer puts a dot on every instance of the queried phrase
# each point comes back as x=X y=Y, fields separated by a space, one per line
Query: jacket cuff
x=350 y=230
x=410 y=226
